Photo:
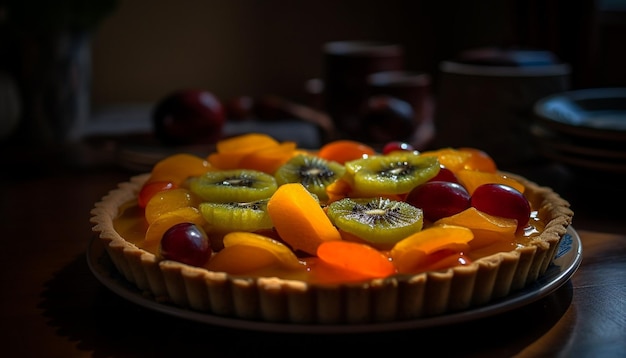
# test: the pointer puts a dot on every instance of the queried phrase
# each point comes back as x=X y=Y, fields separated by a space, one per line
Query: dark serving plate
x=595 y=113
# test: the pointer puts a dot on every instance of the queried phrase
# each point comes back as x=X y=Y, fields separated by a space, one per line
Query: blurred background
x=131 y=54
x=146 y=49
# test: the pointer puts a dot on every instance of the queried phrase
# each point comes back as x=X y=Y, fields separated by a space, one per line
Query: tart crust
x=399 y=297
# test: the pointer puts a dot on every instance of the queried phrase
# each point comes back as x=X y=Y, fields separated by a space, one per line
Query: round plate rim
x=581 y=129
x=567 y=263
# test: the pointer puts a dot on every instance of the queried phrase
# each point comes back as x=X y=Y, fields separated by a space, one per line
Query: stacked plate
x=583 y=128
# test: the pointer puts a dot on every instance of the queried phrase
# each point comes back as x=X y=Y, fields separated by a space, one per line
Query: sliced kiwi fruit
x=379 y=221
x=313 y=172
x=223 y=218
x=236 y=216
x=238 y=185
x=390 y=174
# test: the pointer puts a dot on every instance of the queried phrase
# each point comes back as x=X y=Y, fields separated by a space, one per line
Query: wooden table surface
x=53 y=306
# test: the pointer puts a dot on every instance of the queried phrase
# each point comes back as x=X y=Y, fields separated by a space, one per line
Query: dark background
x=147 y=48
x=142 y=50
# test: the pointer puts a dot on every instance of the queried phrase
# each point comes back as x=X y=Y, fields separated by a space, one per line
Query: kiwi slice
x=390 y=174
x=238 y=185
x=236 y=216
x=379 y=221
x=313 y=172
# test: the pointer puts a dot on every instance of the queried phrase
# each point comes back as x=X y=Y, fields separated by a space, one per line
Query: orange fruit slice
x=299 y=219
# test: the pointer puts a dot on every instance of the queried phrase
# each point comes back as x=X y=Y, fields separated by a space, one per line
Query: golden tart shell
x=395 y=298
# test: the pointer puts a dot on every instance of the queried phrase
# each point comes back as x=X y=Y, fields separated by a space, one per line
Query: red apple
x=189 y=117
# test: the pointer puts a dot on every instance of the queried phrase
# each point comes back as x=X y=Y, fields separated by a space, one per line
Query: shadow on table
x=81 y=309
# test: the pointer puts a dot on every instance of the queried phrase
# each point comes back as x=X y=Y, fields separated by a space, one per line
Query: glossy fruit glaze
x=305 y=244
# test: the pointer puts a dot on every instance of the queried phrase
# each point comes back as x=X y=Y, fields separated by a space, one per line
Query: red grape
x=439 y=199
x=502 y=200
x=445 y=174
x=186 y=243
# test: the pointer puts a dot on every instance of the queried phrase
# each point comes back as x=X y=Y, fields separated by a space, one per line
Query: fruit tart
x=264 y=230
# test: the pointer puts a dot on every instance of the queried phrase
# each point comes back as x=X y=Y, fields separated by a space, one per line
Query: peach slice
x=487 y=228
x=450 y=158
x=269 y=159
x=169 y=200
x=245 y=252
x=229 y=152
x=245 y=143
x=299 y=219
x=479 y=160
x=472 y=179
x=344 y=150
x=178 y=167
x=149 y=189
x=412 y=252
x=463 y=158
x=357 y=258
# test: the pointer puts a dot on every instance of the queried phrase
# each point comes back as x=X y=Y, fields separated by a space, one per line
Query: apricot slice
x=149 y=189
x=241 y=259
x=358 y=258
x=229 y=152
x=450 y=158
x=246 y=143
x=345 y=150
x=178 y=167
x=463 y=158
x=412 y=252
x=435 y=238
x=479 y=160
x=245 y=252
x=487 y=228
x=299 y=219
x=268 y=160
x=169 y=200
x=472 y=179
